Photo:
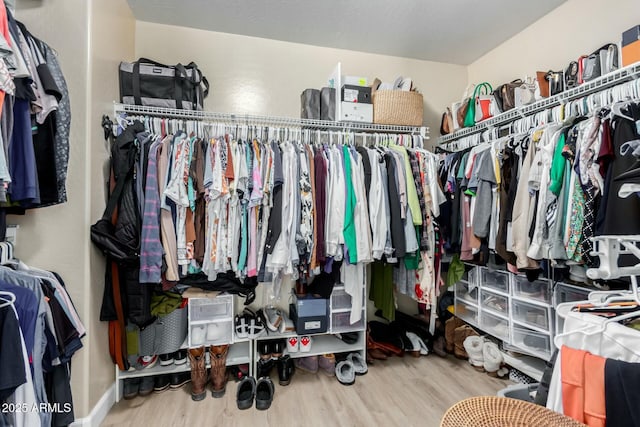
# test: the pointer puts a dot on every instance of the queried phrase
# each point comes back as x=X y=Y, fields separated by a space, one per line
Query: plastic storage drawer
x=462 y=292
x=494 y=279
x=211 y=309
x=470 y=274
x=495 y=326
x=568 y=293
x=532 y=315
x=538 y=290
x=466 y=312
x=340 y=322
x=532 y=342
x=214 y=333
x=494 y=303
x=341 y=300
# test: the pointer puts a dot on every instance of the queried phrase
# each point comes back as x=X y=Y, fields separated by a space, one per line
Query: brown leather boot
x=449 y=327
x=460 y=334
x=198 y=373
x=218 y=357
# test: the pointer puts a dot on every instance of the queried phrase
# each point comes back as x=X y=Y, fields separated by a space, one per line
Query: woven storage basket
x=493 y=411
x=397 y=107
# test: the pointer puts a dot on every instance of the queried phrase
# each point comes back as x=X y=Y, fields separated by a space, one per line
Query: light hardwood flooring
x=398 y=392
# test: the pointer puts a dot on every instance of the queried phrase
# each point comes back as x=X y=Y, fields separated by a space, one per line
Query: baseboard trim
x=100 y=411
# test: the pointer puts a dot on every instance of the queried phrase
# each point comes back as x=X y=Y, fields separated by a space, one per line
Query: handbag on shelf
x=543 y=84
x=483 y=89
x=525 y=94
x=556 y=82
x=485 y=104
x=505 y=95
x=446 y=125
x=459 y=109
x=600 y=62
x=572 y=77
x=147 y=82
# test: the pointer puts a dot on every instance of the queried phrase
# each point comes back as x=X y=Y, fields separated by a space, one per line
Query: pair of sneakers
x=252 y=325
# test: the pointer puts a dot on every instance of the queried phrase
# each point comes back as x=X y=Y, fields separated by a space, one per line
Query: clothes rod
x=247 y=119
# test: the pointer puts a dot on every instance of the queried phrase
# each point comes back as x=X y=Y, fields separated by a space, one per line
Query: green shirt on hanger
x=349 y=228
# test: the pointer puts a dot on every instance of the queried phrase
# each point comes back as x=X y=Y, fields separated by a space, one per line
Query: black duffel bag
x=150 y=83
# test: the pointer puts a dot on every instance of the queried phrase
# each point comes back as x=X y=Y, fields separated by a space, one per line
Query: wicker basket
x=493 y=411
x=397 y=107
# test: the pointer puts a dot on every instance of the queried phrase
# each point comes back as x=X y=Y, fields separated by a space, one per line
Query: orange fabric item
x=595 y=410
x=573 y=382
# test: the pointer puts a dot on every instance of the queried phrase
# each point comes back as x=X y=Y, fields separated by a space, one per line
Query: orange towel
x=583 y=397
x=595 y=410
x=573 y=382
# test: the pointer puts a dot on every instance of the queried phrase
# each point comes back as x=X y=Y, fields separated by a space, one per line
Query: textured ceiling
x=454 y=31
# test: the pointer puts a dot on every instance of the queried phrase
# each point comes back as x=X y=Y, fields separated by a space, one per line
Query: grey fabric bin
x=166 y=334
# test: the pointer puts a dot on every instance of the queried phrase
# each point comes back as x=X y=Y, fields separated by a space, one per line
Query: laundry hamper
x=166 y=334
x=397 y=107
x=493 y=411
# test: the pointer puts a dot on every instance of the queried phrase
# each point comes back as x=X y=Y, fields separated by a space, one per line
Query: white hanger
x=8 y=297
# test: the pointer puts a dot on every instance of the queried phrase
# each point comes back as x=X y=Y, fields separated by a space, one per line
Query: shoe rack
x=213 y=318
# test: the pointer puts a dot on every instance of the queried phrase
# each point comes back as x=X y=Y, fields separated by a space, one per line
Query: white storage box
x=534 y=316
x=466 y=312
x=495 y=279
x=494 y=303
x=213 y=333
x=462 y=292
x=494 y=325
x=532 y=342
x=341 y=300
x=340 y=322
x=209 y=309
x=539 y=290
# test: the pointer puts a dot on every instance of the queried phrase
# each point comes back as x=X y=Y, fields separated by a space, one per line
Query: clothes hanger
x=8 y=297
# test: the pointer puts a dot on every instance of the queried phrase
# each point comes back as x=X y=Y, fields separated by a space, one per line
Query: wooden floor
x=398 y=392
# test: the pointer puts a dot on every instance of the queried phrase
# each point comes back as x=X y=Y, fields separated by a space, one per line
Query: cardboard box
x=309 y=315
x=357 y=112
x=357 y=94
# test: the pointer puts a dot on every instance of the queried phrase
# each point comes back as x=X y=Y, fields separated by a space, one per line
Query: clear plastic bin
x=462 y=292
x=494 y=325
x=340 y=322
x=568 y=293
x=495 y=279
x=205 y=309
x=340 y=299
x=533 y=342
x=539 y=290
x=494 y=303
x=532 y=315
x=214 y=333
x=466 y=312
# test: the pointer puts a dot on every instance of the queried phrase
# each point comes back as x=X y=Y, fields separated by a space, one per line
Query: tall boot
x=198 y=373
x=449 y=327
x=461 y=334
x=218 y=357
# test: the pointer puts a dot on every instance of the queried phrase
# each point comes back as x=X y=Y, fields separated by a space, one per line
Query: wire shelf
x=254 y=120
x=609 y=80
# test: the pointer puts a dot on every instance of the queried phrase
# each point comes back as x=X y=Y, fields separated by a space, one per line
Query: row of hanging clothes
x=40 y=331
x=35 y=118
x=273 y=204
x=555 y=180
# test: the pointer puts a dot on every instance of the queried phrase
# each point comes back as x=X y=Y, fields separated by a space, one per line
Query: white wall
x=578 y=27
x=260 y=76
x=91 y=37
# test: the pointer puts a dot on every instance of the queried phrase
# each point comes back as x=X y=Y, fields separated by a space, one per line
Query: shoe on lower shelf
x=180 y=357
x=285 y=370
x=327 y=364
x=246 y=392
x=131 y=388
x=161 y=383
x=166 y=359
x=147 y=384
x=146 y=362
x=179 y=379
x=307 y=364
